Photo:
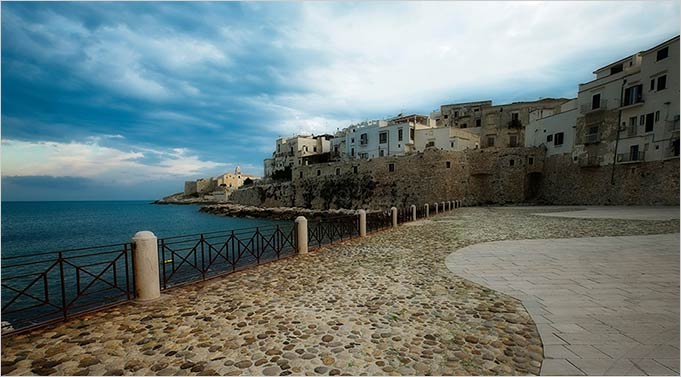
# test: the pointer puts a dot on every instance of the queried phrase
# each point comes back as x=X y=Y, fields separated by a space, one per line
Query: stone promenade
x=384 y=305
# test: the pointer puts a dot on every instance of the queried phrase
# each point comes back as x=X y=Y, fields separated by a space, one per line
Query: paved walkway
x=615 y=212
x=602 y=305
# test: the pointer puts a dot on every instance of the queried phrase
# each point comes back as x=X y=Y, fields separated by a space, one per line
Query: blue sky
x=127 y=100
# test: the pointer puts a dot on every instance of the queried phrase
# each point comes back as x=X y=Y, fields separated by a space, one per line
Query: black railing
x=45 y=287
x=332 y=229
x=378 y=221
x=203 y=256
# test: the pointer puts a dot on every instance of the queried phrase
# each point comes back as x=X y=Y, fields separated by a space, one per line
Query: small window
x=391 y=167
x=383 y=138
x=650 y=121
x=337 y=171
x=465 y=125
x=490 y=141
x=478 y=122
x=652 y=84
x=530 y=161
x=549 y=138
x=354 y=169
x=558 y=140
x=319 y=172
x=451 y=144
x=456 y=114
x=642 y=120
x=512 y=162
x=301 y=174
x=446 y=116
x=352 y=152
x=448 y=164
x=411 y=134
x=400 y=133
x=663 y=53
x=662 y=82
x=380 y=153
x=657 y=116
x=513 y=141
x=352 y=139
x=314 y=149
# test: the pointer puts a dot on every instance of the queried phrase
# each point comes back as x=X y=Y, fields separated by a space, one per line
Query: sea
x=37 y=227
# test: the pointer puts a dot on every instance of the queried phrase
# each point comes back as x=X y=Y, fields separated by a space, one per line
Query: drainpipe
x=617 y=139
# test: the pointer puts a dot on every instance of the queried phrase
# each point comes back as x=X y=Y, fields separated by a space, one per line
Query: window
x=446 y=116
x=301 y=174
x=616 y=69
x=451 y=144
x=662 y=82
x=511 y=162
x=430 y=144
x=354 y=169
x=319 y=172
x=513 y=141
x=352 y=140
x=633 y=153
x=592 y=135
x=337 y=171
x=657 y=116
x=456 y=114
x=411 y=134
x=514 y=116
x=400 y=133
x=352 y=152
x=383 y=138
x=596 y=101
x=490 y=141
x=465 y=125
x=549 y=138
x=278 y=148
x=650 y=120
x=663 y=53
x=652 y=84
x=642 y=120
x=380 y=153
x=391 y=167
x=632 y=122
x=314 y=149
x=448 y=164
x=558 y=140
x=530 y=161
x=305 y=148
x=478 y=123
x=363 y=139
x=633 y=95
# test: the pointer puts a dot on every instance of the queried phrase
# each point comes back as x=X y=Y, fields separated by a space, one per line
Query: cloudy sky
x=128 y=100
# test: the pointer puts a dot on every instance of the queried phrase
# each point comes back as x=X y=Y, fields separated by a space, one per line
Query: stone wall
x=645 y=183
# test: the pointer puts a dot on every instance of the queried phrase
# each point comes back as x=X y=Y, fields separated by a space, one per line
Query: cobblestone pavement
x=603 y=305
x=384 y=305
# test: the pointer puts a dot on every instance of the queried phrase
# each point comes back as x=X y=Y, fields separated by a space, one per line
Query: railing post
x=436 y=209
x=413 y=212
x=449 y=203
x=147 y=283
x=301 y=237
x=443 y=207
x=427 y=210
x=393 y=210
x=362 y=223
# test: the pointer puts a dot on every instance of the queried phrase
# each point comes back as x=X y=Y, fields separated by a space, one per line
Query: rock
x=321 y=370
x=327 y=338
x=271 y=371
x=243 y=364
x=88 y=361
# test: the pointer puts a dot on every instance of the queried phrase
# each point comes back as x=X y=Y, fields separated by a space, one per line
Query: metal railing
x=378 y=221
x=592 y=138
x=332 y=229
x=631 y=156
x=588 y=108
x=40 y=288
x=198 y=257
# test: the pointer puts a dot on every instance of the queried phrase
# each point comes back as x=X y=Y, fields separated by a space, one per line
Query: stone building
x=630 y=112
x=296 y=151
x=223 y=183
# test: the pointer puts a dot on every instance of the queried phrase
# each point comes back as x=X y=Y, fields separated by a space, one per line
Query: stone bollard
x=301 y=230
x=436 y=209
x=393 y=210
x=146 y=267
x=362 y=223
x=449 y=204
x=443 y=207
x=413 y=212
x=427 y=210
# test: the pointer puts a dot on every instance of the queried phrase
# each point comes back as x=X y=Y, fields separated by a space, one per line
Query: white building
x=380 y=138
x=446 y=138
x=555 y=132
x=630 y=112
x=296 y=151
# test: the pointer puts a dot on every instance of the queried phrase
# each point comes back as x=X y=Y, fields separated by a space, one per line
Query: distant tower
x=237 y=170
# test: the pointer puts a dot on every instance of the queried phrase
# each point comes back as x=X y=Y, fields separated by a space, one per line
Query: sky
x=118 y=101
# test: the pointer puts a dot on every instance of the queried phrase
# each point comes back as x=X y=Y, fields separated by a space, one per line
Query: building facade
x=296 y=151
x=554 y=132
x=630 y=112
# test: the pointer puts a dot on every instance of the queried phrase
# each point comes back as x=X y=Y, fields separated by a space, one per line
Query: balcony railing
x=515 y=123
x=587 y=161
x=592 y=138
x=631 y=157
x=589 y=108
x=672 y=125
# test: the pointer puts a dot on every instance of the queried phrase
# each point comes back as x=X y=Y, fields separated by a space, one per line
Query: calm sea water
x=30 y=227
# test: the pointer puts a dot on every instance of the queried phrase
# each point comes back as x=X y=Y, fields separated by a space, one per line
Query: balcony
x=588 y=161
x=672 y=125
x=602 y=106
x=515 y=123
x=631 y=157
x=592 y=138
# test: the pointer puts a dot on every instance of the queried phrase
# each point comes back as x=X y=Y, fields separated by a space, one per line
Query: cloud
x=89 y=159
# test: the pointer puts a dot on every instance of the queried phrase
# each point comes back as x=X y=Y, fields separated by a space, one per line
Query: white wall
x=537 y=132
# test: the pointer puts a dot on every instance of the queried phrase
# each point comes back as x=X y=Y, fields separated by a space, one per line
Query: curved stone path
x=606 y=305
x=384 y=305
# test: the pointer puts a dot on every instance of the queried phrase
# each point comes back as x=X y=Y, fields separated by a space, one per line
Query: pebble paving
x=384 y=305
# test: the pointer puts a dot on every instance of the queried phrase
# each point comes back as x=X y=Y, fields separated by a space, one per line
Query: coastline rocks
x=276 y=213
